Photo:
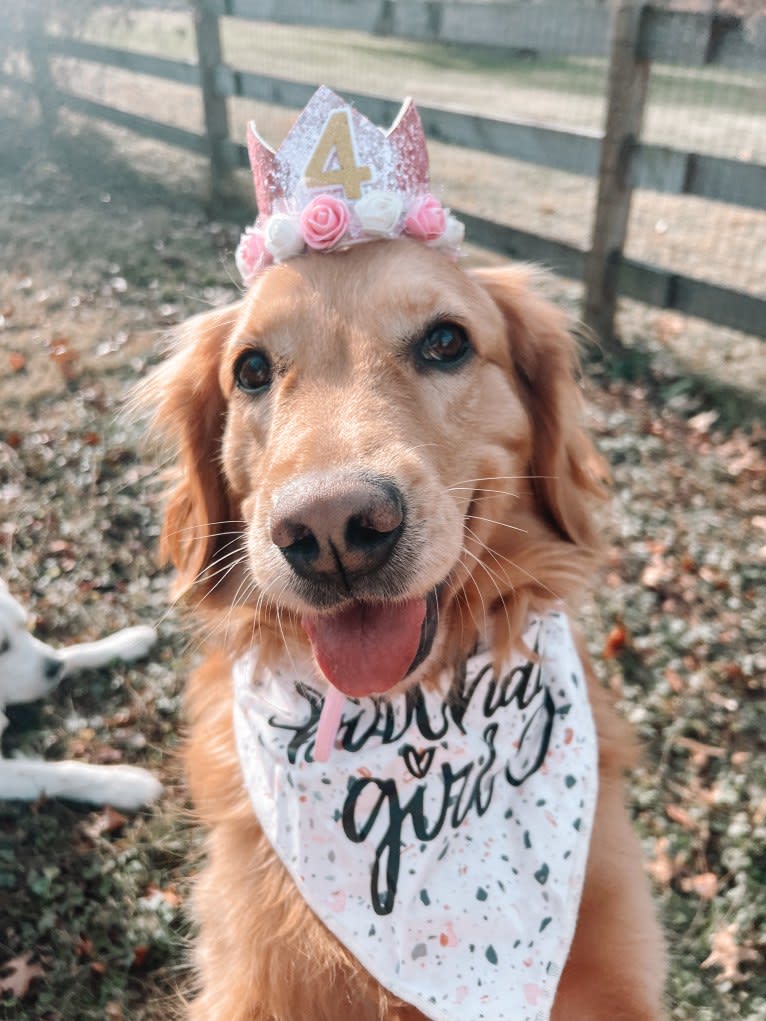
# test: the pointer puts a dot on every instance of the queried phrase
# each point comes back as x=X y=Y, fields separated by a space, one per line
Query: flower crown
x=337 y=181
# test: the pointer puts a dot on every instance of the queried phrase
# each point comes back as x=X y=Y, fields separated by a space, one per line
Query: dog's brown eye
x=444 y=345
x=252 y=372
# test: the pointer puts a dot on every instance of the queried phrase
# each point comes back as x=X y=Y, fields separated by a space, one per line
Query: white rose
x=379 y=212
x=454 y=232
x=283 y=236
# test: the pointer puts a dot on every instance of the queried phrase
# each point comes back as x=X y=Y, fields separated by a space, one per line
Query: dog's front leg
x=262 y=955
x=616 y=967
x=124 y=787
x=126 y=645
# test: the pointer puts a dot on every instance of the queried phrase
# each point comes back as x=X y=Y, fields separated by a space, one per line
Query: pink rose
x=324 y=222
x=251 y=255
x=426 y=219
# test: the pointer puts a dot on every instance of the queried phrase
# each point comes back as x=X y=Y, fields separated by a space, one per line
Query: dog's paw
x=129 y=788
x=131 y=643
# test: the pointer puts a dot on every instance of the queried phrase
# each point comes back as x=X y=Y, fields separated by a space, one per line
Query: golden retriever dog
x=381 y=465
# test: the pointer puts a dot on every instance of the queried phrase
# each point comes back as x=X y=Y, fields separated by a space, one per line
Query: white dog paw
x=131 y=643
x=129 y=788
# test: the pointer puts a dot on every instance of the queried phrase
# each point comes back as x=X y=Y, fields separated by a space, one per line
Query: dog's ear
x=567 y=473
x=187 y=408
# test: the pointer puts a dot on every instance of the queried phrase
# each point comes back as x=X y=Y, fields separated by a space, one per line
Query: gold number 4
x=336 y=138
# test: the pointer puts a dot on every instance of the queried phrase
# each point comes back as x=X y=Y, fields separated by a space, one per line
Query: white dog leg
x=129 y=644
x=127 y=787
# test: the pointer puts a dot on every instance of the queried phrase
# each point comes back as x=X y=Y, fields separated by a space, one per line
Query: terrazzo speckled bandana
x=444 y=842
x=337 y=181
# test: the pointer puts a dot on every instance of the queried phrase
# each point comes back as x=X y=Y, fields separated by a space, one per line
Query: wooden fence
x=634 y=37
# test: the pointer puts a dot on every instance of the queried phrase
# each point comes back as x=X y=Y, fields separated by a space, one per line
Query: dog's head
x=29 y=669
x=380 y=452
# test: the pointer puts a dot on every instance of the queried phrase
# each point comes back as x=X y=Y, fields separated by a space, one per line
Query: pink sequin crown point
x=337 y=180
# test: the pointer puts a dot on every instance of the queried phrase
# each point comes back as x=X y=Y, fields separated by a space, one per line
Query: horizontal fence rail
x=690 y=39
x=181 y=71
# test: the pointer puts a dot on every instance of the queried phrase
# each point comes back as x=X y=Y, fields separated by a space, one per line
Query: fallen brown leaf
x=615 y=642
x=728 y=955
x=108 y=821
x=662 y=868
x=168 y=894
x=64 y=357
x=700 y=753
x=18 y=974
x=139 y=955
x=704 y=885
x=681 y=816
x=84 y=947
x=675 y=680
x=656 y=573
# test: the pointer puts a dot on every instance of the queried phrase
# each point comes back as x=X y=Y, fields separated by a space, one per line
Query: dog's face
x=393 y=444
x=29 y=669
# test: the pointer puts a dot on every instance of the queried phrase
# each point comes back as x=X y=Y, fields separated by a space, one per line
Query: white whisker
x=501 y=524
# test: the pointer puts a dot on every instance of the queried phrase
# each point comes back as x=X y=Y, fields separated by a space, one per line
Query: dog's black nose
x=52 y=669
x=336 y=529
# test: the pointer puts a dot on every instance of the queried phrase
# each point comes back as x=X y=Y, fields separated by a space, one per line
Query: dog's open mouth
x=367 y=649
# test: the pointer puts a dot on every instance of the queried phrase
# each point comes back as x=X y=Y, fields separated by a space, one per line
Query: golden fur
x=500 y=479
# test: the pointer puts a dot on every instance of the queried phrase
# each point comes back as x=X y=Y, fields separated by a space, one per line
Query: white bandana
x=445 y=840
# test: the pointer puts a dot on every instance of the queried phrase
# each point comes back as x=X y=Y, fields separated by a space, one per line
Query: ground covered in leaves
x=101 y=255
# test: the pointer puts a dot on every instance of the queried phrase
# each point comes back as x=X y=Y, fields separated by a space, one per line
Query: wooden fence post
x=627 y=85
x=35 y=24
x=216 y=112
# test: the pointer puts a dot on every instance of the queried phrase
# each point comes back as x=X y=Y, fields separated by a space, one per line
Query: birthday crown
x=337 y=180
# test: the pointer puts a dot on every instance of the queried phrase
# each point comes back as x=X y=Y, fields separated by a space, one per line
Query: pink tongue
x=366 y=649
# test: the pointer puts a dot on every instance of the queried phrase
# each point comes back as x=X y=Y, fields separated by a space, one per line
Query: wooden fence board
x=564 y=259
x=693 y=39
x=554 y=29
x=720 y=305
x=207 y=33
x=628 y=80
x=127 y=60
x=735 y=181
x=741 y=47
x=665 y=289
x=660 y=168
x=570 y=151
x=420 y=21
x=142 y=125
x=359 y=15
x=681 y=38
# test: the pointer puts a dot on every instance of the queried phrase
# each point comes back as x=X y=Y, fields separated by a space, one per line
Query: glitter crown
x=337 y=180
